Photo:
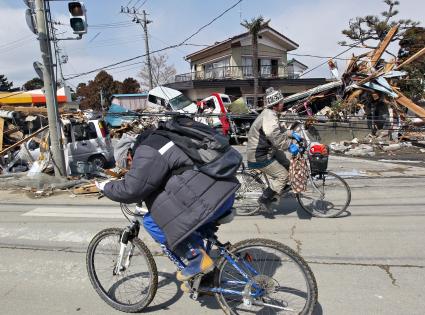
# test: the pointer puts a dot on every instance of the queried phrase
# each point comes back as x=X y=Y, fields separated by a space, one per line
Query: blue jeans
x=195 y=239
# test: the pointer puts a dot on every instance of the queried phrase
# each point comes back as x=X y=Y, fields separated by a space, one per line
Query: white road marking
x=77 y=212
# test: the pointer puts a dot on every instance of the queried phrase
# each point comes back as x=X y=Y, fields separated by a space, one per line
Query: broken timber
x=417 y=55
x=23 y=140
x=86 y=189
x=408 y=103
x=383 y=45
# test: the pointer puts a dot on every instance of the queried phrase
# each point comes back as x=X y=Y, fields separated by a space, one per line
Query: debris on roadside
x=366 y=91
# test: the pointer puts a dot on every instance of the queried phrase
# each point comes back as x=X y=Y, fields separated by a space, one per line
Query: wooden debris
x=417 y=55
x=112 y=173
x=383 y=45
x=23 y=140
x=408 y=103
x=86 y=189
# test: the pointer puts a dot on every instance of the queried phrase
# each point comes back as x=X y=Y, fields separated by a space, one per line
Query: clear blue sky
x=315 y=25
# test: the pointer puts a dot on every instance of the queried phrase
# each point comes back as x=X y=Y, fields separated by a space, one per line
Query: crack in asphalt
x=292 y=237
x=364 y=264
x=10 y=290
x=258 y=228
x=386 y=268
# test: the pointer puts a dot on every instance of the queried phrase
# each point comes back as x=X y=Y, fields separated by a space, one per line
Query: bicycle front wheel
x=134 y=287
x=284 y=280
x=246 y=201
x=327 y=195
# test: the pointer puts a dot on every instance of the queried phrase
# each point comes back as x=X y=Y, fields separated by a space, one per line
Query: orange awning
x=29 y=97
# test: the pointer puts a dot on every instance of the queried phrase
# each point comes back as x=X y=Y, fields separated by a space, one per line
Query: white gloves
x=101 y=185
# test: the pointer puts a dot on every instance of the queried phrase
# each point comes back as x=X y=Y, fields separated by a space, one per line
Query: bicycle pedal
x=194 y=296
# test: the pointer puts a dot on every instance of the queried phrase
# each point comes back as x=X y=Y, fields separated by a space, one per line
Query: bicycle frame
x=131 y=231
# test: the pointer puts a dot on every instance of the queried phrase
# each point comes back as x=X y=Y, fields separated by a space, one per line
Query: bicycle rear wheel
x=134 y=288
x=246 y=201
x=327 y=195
x=287 y=281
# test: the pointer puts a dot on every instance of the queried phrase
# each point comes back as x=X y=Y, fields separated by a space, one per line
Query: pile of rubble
x=25 y=160
x=372 y=146
x=367 y=90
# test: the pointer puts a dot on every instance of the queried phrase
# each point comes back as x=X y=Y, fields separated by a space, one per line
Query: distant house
x=136 y=101
x=295 y=68
x=226 y=67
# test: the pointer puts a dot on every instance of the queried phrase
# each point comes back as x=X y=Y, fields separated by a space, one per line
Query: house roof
x=290 y=43
x=293 y=60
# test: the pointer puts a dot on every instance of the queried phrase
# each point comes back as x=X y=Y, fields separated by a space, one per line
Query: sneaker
x=265 y=204
x=201 y=263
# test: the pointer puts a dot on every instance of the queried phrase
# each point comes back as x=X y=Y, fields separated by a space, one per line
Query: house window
x=218 y=69
x=249 y=101
x=266 y=67
x=247 y=66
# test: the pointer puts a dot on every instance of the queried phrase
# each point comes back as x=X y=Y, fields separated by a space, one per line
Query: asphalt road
x=370 y=261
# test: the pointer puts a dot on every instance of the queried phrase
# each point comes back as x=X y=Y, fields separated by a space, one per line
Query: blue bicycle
x=255 y=276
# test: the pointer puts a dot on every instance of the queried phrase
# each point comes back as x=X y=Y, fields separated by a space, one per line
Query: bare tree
x=254 y=27
x=162 y=72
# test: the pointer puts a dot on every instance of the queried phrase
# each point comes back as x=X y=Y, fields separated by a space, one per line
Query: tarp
x=238 y=107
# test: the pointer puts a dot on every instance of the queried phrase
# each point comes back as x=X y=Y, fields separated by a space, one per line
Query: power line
x=212 y=21
x=318 y=66
x=143 y=3
x=136 y=3
x=155 y=51
x=315 y=56
x=17 y=93
x=16 y=41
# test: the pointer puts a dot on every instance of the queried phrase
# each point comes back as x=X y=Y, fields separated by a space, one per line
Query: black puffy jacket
x=179 y=204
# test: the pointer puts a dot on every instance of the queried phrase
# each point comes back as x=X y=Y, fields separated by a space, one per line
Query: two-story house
x=226 y=67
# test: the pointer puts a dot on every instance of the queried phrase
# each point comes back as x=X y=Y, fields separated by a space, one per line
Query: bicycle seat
x=227 y=218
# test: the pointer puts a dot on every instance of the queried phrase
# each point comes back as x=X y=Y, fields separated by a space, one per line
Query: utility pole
x=102 y=102
x=49 y=89
x=148 y=59
x=144 y=22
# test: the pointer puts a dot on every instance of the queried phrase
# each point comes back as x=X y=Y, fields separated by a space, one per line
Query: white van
x=84 y=141
x=87 y=141
x=171 y=100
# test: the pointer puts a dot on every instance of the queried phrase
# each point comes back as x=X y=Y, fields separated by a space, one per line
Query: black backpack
x=208 y=149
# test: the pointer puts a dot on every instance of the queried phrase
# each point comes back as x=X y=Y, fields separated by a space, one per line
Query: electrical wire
x=143 y=3
x=16 y=41
x=325 y=62
x=17 y=93
x=155 y=51
x=315 y=56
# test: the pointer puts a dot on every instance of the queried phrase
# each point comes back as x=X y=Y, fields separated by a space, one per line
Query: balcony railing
x=236 y=73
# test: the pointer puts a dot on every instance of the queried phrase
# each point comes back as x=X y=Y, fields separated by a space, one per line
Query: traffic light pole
x=56 y=148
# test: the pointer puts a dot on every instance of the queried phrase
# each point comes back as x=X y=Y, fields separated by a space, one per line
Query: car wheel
x=98 y=160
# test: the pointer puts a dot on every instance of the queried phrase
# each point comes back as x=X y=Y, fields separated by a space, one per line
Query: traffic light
x=77 y=17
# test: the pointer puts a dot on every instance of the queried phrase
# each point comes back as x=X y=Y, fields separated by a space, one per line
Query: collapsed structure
x=366 y=89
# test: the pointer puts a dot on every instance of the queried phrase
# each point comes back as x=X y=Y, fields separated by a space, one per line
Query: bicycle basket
x=318 y=157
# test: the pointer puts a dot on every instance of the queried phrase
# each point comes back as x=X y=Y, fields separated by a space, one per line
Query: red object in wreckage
x=223 y=118
x=319 y=149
